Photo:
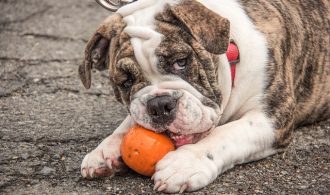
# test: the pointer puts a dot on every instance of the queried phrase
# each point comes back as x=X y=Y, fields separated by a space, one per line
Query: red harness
x=233 y=58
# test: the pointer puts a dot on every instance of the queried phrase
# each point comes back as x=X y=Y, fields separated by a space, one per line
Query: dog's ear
x=207 y=27
x=97 y=49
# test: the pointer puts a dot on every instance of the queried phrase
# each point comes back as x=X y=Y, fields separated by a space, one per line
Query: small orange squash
x=141 y=149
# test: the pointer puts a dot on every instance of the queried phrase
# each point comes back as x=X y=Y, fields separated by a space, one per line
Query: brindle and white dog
x=167 y=64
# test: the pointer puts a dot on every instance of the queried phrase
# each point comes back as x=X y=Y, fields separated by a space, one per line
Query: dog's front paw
x=184 y=170
x=103 y=160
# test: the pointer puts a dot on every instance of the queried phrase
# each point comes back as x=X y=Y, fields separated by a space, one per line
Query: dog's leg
x=104 y=159
x=194 y=166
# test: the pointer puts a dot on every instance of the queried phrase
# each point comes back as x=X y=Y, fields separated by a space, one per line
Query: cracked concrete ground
x=48 y=121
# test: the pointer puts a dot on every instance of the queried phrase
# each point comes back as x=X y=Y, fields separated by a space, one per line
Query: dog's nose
x=161 y=109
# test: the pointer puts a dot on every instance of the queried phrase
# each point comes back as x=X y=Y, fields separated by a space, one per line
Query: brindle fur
x=117 y=56
x=184 y=39
x=298 y=35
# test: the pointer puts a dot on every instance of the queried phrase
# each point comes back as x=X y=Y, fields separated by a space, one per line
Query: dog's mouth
x=180 y=140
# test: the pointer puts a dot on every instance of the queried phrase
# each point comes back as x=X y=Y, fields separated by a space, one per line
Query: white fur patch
x=250 y=71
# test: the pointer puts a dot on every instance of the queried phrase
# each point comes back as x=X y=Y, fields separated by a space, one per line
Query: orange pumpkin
x=141 y=149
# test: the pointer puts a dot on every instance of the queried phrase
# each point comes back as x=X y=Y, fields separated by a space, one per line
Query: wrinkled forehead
x=140 y=26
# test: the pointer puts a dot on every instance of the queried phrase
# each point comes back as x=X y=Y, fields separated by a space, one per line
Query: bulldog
x=167 y=64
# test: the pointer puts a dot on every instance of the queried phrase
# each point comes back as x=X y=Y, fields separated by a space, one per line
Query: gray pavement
x=48 y=121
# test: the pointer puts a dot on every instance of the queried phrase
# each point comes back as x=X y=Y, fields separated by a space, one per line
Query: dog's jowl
x=167 y=64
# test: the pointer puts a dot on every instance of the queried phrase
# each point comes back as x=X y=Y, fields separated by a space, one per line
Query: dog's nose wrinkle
x=161 y=108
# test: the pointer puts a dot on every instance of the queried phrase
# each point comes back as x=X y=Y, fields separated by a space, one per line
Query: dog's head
x=163 y=60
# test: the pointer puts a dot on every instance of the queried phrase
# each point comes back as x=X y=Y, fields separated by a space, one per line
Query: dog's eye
x=180 y=64
x=128 y=83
